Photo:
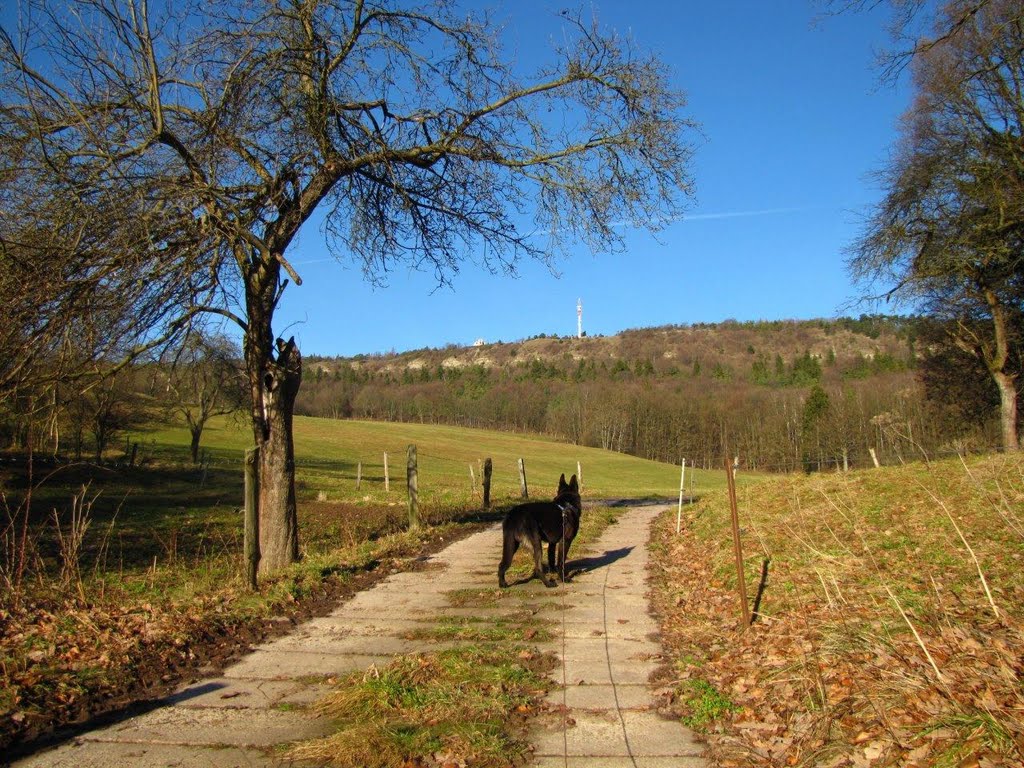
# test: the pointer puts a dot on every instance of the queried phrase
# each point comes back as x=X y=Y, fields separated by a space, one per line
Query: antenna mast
x=579 y=318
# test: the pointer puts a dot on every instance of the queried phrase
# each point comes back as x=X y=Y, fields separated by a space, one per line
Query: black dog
x=538 y=522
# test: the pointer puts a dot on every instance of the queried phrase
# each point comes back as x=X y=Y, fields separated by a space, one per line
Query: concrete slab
x=225 y=693
x=616 y=649
x=650 y=734
x=602 y=697
x=291 y=664
x=342 y=643
x=597 y=672
x=93 y=755
x=213 y=727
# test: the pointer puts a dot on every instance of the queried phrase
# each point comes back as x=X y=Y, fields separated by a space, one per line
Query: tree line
x=916 y=395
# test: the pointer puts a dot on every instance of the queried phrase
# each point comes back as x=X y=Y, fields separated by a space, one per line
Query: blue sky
x=794 y=119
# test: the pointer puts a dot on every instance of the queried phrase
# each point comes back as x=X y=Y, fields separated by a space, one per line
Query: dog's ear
x=561 y=483
x=573 y=484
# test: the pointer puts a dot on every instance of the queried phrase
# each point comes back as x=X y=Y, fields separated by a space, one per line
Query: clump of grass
x=460 y=704
x=705 y=704
x=491 y=630
x=974 y=730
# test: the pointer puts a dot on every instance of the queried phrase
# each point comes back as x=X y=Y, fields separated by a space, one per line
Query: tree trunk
x=1007 y=409
x=196 y=432
x=997 y=362
x=279 y=527
x=274 y=381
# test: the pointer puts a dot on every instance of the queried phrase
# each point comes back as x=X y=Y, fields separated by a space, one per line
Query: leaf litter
x=877 y=644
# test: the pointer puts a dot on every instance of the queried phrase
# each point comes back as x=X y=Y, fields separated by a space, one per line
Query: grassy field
x=328 y=452
x=891 y=620
x=115 y=578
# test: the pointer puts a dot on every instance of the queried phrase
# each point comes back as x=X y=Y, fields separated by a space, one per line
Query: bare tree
x=406 y=124
x=949 y=232
x=205 y=378
x=915 y=26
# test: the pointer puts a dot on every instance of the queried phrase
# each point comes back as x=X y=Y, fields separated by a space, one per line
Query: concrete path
x=605 y=708
x=609 y=651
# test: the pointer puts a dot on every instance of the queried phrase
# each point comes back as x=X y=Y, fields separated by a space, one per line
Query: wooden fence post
x=737 y=545
x=524 y=492
x=579 y=475
x=359 y=475
x=387 y=474
x=682 y=485
x=251 y=536
x=874 y=457
x=413 y=481
x=487 y=483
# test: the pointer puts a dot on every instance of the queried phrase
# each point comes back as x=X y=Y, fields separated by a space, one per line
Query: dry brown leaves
x=833 y=675
x=59 y=659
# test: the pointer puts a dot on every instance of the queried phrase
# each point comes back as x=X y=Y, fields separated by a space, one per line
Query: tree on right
x=947 y=235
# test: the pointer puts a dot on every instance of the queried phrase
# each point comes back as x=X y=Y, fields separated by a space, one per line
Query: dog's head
x=570 y=490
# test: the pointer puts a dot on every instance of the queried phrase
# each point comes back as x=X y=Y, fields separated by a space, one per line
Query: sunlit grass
x=455 y=703
x=328 y=454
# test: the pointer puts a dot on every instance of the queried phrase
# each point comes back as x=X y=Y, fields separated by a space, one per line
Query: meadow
x=328 y=453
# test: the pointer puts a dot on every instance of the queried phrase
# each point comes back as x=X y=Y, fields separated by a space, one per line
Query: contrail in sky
x=742 y=214
x=684 y=218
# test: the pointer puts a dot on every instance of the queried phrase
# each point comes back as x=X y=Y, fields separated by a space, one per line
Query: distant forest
x=781 y=395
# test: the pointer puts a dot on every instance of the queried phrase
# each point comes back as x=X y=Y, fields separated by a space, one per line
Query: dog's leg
x=538 y=566
x=508 y=550
x=552 y=564
x=563 y=557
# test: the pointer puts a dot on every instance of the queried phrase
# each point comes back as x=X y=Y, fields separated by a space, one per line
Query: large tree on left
x=224 y=126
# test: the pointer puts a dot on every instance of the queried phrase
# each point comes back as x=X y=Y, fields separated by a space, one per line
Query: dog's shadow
x=574 y=568
x=588 y=564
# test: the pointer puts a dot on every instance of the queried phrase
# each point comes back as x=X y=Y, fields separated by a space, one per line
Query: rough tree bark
x=275 y=374
x=1006 y=382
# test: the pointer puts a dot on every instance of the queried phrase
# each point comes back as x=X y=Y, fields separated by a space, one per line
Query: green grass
x=705 y=704
x=328 y=452
x=457 y=703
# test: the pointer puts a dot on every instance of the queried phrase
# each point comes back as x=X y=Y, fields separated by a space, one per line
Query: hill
x=781 y=395
x=668 y=350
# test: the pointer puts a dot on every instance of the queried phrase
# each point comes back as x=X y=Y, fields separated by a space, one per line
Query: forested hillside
x=781 y=395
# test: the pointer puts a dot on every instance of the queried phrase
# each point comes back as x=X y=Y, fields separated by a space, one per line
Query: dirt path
x=602 y=634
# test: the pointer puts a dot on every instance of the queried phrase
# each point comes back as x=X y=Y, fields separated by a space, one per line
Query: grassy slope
x=327 y=453
x=832 y=674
